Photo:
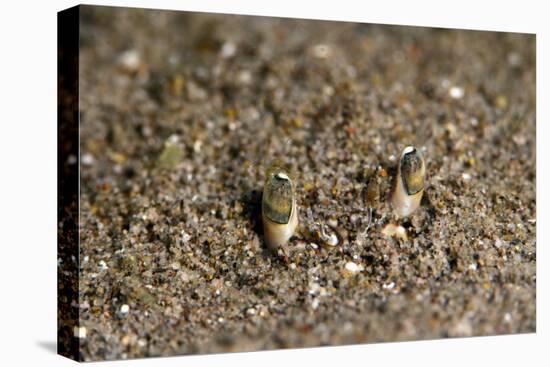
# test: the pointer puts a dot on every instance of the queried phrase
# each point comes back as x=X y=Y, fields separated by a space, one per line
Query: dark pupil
x=281 y=184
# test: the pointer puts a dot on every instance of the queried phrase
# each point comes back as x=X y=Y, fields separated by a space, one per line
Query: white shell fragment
x=332 y=240
x=79 y=332
x=329 y=240
x=228 y=50
x=456 y=92
x=353 y=267
x=129 y=60
x=392 y=230
x=124 y=309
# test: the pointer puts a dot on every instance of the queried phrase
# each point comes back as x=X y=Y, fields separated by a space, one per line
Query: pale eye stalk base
x=277 y=235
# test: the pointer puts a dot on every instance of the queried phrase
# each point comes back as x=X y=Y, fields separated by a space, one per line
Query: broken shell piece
x=129 y=61
x=353 y=267
x=410 y=182
x=279 y=210
x=79 y=332
x=329 y=240
x=332 y=240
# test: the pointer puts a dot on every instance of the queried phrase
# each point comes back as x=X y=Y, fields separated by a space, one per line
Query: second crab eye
x=278 y=198
x=410 y=182
x=279 y=210
x=412 y=170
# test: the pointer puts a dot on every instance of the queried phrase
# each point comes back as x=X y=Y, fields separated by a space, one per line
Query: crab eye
x=279 y=210
x=412 y=170
x=410 y=182
x=278 y=198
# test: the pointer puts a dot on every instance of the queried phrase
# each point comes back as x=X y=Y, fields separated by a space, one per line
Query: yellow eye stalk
x=279 y=211
x=409 y=183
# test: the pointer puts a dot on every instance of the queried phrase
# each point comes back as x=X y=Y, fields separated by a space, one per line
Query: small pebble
x=185 y=237
x=332 y=240
x=507 y=317
x=322 y=51
x=129 y=60
x=87 y=159
x=124 y=309
x=228 y=50
x=125 y=340
x=197 y=146
x=103 y=265
x=456 y=92
x=314 y=288
x=185 y=277
x=353 y=267
x=80 y=332
x=392 y=230
x=245 y=77
x=501 y=101
x=328 y=90
x=514 y=59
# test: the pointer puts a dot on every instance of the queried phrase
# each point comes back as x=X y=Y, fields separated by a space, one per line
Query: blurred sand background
x=182 y=112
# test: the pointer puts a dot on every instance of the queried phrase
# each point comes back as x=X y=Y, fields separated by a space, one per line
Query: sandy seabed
x=180 y=115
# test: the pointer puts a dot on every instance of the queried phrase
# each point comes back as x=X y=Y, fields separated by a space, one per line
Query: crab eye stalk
x=410 y=182
x=279 y=211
